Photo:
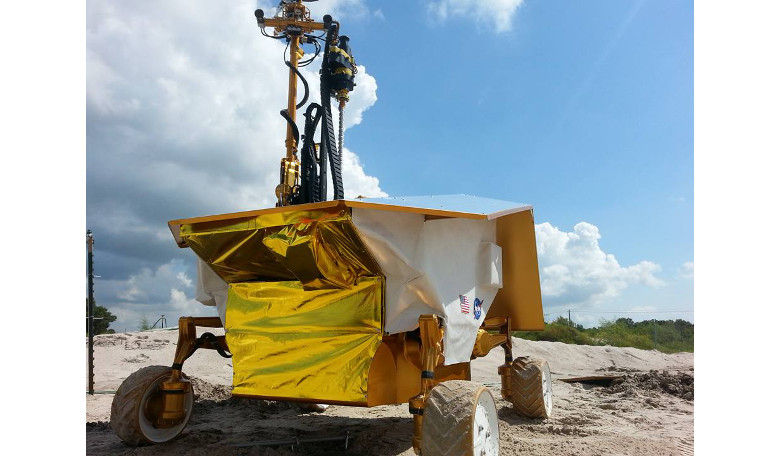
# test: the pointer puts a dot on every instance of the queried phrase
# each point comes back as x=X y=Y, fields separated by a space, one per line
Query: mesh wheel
x=460 y=419
x=531 y=387
x=127 y=410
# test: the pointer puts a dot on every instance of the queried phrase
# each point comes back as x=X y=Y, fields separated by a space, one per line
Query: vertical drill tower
x=304 y=179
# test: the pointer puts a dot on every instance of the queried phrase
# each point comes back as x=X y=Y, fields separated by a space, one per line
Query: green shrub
x=666 y=336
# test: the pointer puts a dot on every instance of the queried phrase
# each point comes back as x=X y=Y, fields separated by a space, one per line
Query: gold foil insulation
x=319 y=248
x=290 y=342
x=305 y=303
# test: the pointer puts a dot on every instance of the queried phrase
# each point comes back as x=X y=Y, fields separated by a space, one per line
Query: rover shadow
x=508 y=415
x=249 y=426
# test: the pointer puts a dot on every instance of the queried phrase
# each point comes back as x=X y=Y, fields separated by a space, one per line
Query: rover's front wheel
x=460 y=418
x=137 y=401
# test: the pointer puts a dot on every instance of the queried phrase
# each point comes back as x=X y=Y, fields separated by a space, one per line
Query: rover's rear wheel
x=137 y=397
x=531 y=387
x=460 y=418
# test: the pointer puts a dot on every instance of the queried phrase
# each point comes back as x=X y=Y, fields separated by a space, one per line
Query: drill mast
x=305 y=180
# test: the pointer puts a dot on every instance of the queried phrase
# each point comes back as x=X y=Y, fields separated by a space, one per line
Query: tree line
x=668 y=336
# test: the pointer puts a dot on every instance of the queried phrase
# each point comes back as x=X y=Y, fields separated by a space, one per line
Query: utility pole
x=569 y=317
x=91 y=312
x=655 y=333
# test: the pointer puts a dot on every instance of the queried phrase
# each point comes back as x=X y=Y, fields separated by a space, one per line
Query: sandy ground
x=650 y=412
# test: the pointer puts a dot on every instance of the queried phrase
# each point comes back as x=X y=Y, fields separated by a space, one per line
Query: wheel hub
x=547 y=389
x=163 y=415
x=485 y=428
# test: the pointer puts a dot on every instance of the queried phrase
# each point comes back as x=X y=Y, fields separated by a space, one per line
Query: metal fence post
x=91 y=312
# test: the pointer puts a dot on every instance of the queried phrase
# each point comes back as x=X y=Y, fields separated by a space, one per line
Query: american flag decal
x=464 y=304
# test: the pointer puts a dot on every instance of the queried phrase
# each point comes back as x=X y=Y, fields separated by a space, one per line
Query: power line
x=633 y=311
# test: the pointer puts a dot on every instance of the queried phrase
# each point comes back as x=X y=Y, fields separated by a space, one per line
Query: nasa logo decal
x=477 y=308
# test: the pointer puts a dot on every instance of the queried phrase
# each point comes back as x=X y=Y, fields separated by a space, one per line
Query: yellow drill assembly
x=304 y=180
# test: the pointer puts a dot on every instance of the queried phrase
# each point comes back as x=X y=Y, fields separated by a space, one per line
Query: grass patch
x=668 y=336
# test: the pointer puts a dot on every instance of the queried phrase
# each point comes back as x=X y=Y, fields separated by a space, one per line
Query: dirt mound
x=618 y=369
x=109 y=340
x=99 y=426
x=139 y=358
x=130 y=341
x=209 y=395
x=144 y=343
x=678 y=384
x=205 y=391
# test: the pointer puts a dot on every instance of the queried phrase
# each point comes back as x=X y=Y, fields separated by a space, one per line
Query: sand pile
x=205 y=391
x=678 y=384
x=110 y=340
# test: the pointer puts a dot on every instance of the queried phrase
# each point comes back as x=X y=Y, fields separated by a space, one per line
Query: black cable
x=289 y=120
x=310 y=180
x=284 y=112
x=318 y=48
x=328 y=136
x=213 y=339
x=305 y=85
x=203 y=339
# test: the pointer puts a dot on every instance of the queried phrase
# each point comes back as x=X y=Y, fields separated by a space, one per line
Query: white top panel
x=468 y=204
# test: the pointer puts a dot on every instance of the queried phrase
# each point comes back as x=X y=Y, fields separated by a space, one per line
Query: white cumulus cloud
x=339 y=9
x=497 y=13
x=575 y=270
x=164 y=290
x=686 y=270
x=184 y=305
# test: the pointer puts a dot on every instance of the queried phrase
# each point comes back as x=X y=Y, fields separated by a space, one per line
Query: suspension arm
x=431 y=350
x=485 y=342
x=188 y=342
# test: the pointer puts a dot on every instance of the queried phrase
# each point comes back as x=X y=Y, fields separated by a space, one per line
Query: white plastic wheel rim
x=485 y=426
x=547 y=389
x=152 y=433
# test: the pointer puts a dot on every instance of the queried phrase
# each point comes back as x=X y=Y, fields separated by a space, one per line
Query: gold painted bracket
x=431 y=350
x=490 y=341
x=188 y=343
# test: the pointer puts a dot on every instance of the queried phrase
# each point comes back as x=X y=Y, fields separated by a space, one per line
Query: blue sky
x=583 y=109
